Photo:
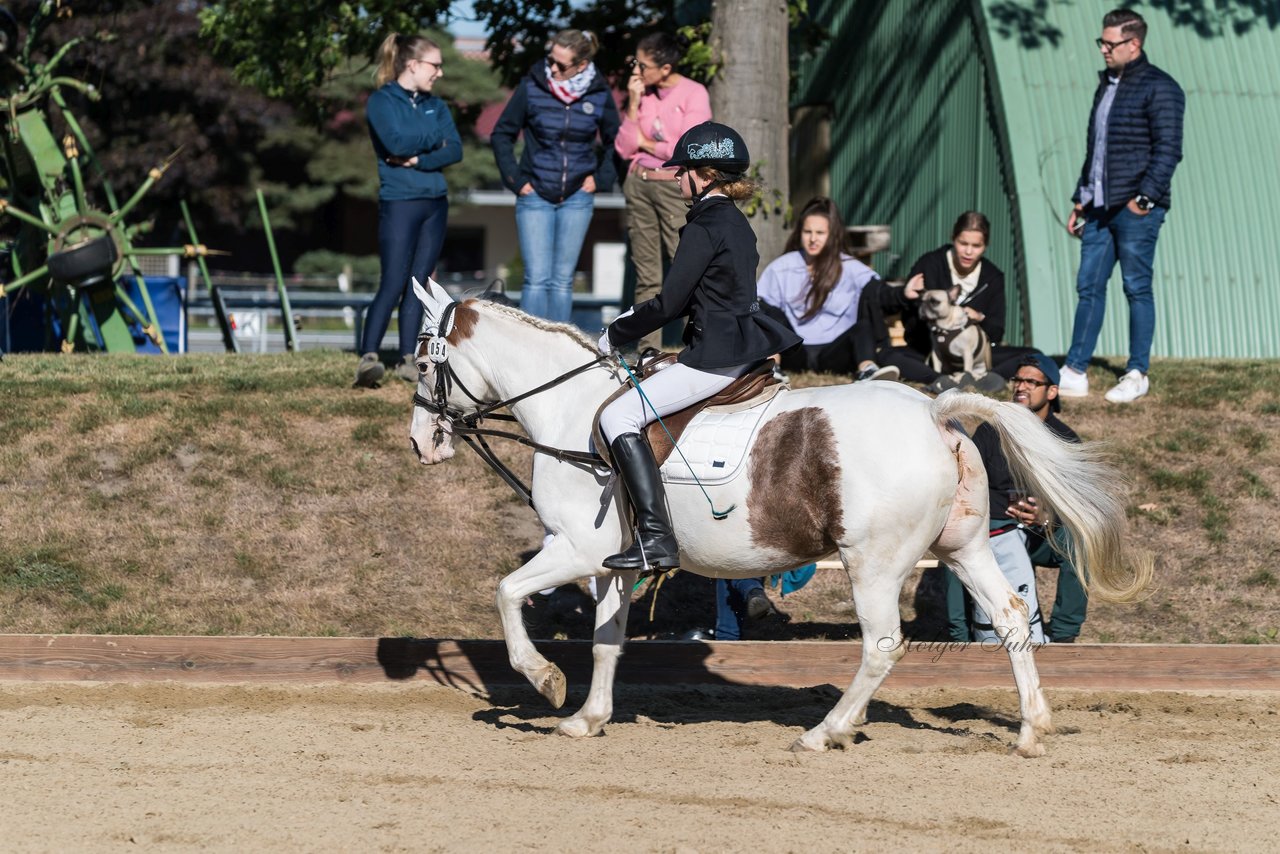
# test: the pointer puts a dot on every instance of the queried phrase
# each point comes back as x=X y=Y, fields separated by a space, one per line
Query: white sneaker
x=1072 y=383
x=876 y=372
x=1132 y=386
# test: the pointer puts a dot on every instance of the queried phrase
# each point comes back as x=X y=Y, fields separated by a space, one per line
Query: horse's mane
x=568 y=329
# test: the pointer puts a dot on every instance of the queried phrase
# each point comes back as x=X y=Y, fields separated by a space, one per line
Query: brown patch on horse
x=1017 y=603
x=464 y=323
x=794 y=505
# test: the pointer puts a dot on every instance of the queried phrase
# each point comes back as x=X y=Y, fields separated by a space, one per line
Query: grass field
x=263 y=495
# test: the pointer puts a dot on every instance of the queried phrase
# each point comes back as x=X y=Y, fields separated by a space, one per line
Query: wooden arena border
x=482 y=664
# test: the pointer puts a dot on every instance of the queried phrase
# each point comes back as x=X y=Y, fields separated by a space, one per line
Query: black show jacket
x=712 y=281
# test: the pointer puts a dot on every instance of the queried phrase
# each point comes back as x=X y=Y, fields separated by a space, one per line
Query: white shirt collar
x=966 y=283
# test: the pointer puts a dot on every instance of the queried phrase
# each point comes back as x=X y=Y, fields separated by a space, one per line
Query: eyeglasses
x=1110 y=46
x=635 y=63
x=562 y=67
x=1017 y=381
x=439 y=66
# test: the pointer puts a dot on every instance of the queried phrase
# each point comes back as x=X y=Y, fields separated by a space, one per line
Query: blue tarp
x=24 y=329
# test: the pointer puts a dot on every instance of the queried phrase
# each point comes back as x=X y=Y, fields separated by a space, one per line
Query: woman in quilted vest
x=566 y=111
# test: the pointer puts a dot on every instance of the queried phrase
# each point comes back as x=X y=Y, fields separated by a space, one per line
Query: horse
x=877 y=472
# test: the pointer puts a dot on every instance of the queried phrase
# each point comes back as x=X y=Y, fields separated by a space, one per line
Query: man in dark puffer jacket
x=1134 y=144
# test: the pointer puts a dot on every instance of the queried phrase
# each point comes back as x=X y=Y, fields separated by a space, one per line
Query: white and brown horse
x=877 y=472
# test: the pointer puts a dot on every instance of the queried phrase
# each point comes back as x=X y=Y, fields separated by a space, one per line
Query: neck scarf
x=575 y=87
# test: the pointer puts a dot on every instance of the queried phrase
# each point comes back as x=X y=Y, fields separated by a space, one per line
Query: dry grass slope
x=262 y=495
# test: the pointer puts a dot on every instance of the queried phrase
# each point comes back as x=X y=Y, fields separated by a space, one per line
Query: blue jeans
x=410 y=235
x=731 y=605
x=551 y=238
x=1114 y=235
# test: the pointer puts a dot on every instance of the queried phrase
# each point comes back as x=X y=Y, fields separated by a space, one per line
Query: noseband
x=466 y=425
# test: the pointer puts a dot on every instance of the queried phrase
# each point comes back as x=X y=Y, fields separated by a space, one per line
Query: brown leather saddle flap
x=745 y=388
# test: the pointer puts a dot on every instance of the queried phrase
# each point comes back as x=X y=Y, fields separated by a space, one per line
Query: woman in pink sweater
x=661 y=105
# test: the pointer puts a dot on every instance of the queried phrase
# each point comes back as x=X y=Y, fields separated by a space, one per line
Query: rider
x=712 y=281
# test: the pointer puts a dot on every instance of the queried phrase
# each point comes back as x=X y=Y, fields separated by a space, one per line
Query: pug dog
x=959 y=345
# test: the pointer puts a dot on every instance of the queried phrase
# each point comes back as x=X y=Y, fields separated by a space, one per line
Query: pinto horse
x=878 y=472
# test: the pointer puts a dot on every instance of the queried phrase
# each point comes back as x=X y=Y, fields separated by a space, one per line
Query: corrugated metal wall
x=1219 y=252
x=914 y=142
x=942 y=106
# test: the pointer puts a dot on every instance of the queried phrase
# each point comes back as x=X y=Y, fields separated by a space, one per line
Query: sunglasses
x=563 y=68
x=1017 y=381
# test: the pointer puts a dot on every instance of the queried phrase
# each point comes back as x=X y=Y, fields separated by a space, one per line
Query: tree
x=520 y=29
x=290 y=48
x=749 y=42
x=287 y=46
x=159 y=93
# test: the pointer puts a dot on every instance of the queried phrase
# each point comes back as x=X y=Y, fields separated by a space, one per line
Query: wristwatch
x=1143 y=202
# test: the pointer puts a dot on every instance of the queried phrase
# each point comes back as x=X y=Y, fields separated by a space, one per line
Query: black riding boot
x=655 y=545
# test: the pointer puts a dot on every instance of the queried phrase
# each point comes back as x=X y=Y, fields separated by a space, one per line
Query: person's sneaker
x=875 y=372
x=407 y=370
x=1073 y=383
x=1132 y=386
x=760 y=606
x=368 y=371
x=944 y=382
x=990 y=383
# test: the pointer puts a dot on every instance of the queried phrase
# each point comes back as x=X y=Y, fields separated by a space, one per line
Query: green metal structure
x=60 y=243
x=938 y=106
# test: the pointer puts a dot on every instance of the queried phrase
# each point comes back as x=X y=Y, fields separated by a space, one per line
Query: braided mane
x=568 y=329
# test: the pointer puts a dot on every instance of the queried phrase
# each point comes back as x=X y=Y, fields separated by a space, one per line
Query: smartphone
x=1078 y=228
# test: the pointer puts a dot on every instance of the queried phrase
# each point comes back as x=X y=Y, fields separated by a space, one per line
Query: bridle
x=466 y=425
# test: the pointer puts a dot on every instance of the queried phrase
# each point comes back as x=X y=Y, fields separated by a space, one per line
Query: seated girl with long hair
x=814 y=288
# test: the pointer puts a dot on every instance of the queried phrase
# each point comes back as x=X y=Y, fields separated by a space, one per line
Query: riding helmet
x=711 y=144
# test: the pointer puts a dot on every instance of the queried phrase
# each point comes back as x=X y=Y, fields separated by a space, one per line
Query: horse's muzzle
x=431 y=438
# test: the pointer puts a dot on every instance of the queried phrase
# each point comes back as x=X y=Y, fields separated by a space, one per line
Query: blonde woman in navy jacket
x=565 y=110
x=712 y=282
x=414 y=137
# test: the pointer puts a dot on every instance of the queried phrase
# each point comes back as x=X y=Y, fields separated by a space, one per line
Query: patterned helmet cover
x=711 y=144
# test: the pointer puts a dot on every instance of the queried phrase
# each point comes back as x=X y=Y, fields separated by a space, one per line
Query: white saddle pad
x=714 y=445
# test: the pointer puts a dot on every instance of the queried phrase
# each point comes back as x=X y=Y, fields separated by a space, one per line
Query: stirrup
x=659 y=564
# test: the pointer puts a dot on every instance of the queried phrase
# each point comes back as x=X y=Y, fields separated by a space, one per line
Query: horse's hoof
x=576 y=728
x=553 y=686
x=1028 y=751
x=802 y=746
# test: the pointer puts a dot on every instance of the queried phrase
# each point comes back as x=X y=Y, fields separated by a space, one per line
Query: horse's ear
x=438 y=291
x=420 y=292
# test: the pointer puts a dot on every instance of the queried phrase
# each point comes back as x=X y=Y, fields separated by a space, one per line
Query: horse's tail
x=1076 y=485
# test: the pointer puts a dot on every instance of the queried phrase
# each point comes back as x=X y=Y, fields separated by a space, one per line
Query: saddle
x=750 y=388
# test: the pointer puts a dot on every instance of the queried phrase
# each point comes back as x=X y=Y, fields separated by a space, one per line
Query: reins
x=466 y=425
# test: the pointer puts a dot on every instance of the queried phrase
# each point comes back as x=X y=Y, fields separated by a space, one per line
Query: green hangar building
x=913 y=111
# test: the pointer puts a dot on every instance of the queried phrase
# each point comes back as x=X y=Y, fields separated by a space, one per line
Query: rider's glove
x=605 y=346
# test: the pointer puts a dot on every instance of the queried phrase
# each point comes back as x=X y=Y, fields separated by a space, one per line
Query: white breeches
x=1011 y=555
x=669 y=390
